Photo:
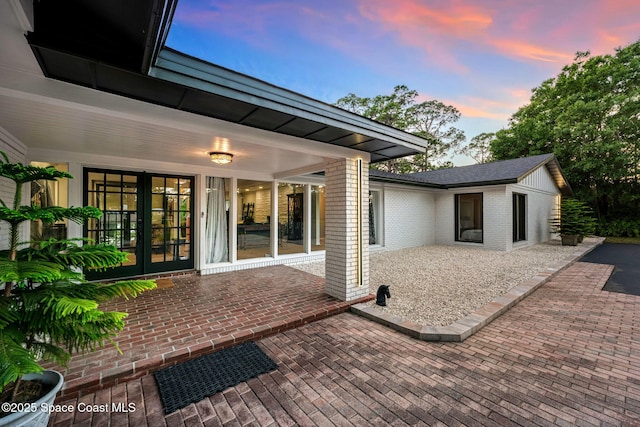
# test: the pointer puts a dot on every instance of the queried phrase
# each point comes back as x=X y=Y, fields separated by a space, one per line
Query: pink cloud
x=503 y=103
x=544 y=31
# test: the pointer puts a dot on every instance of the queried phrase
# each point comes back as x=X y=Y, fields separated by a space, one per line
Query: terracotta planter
x=569 y=239
x=37 y=417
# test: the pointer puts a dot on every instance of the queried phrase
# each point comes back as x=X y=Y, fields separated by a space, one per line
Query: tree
x=47 y=309
x=588 y=116
x=430 y=120
x=479 y=149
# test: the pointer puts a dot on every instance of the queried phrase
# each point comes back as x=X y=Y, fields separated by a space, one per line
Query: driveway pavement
x=567 y=355
x=626 y=259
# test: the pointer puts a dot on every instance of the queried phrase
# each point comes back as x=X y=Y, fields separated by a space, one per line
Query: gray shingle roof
x=500 y=172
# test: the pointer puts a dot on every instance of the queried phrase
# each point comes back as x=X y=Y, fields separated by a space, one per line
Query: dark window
x=519 y=217
x=469 y=217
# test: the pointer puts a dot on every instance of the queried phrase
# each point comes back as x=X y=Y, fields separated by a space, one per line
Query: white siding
x=408 y=218
x=542 y=200
x=541 y=180
x=17 y=152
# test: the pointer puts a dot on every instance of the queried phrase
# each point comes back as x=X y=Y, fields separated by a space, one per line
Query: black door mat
x=192 y=381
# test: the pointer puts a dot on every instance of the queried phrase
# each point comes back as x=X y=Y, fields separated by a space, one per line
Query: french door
x=146 y=215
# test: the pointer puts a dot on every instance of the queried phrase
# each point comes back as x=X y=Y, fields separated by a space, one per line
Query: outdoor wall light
x=220 y=158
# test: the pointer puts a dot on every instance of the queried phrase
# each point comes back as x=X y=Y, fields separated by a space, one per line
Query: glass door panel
x=147 y=216
x=171 y=207
x=116 y=195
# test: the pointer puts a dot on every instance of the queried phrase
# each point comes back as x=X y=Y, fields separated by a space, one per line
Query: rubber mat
x=196 y=379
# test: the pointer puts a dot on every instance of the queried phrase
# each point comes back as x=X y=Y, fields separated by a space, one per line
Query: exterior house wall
x=16 y=151
x=543 y=199
x=408 y=218
x=495 y=217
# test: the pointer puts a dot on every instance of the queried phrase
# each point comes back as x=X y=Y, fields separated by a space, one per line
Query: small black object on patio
x=196 y=379
x=626 y=259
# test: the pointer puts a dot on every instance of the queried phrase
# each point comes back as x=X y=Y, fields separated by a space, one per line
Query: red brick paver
x=200 y=315
x=569 y=354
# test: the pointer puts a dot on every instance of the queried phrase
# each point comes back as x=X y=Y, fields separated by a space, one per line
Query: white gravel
x=438 y=285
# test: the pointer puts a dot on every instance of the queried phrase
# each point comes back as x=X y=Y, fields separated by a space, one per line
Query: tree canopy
x=429 y=119
x=589 y=117
x=479 y=149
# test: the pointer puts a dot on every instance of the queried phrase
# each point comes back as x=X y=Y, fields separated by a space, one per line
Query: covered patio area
x=189 y=316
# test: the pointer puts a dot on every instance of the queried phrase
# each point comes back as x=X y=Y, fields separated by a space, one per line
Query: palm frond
x=65 y=306
x=36 y=271
x=7 y=315
x=20 y=174
x=48 y=214
x=15 y=360
x=125 y=288
x=80 y=331
x=67 y=252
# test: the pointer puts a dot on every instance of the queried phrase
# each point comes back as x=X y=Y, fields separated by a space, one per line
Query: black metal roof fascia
x=481 y=183
x=426 y=184
x=162 y=15
x=188 y=71
x=378 y=178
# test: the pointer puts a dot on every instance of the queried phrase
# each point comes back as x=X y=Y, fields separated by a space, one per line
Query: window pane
x=290 y=218
x=46 y=193
x=317 y=218
x=374 y=201
x=469 y=218
x=519 y=217
x=254 y=216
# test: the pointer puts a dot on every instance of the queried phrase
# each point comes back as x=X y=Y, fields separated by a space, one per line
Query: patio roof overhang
x=118 y=47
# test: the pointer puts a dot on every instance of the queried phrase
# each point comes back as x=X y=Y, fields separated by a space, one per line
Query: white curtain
x=216 y=225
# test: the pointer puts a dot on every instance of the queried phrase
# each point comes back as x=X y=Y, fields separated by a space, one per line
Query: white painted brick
x=409 y=217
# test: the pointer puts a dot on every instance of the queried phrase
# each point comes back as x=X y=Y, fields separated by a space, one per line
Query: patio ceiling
x=110 y=48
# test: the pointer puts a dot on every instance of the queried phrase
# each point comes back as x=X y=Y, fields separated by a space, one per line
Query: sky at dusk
x=482 y=56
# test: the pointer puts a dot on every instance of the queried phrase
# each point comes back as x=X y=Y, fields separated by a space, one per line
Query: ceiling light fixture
x=220 y=158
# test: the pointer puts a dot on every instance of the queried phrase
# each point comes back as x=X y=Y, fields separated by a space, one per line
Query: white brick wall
x=17 y=152
x=409 y=217
x=341 y=233
x=496 y=219
x=494 y=216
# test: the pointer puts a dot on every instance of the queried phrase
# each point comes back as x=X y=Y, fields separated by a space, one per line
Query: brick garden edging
x=472 y=323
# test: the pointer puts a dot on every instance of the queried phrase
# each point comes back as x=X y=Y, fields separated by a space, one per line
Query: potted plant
x=47 y=309
x=575 y=220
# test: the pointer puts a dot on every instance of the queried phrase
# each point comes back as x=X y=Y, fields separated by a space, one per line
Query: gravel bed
x=438 y=285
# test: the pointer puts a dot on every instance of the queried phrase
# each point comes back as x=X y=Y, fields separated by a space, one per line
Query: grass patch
x=628 y=240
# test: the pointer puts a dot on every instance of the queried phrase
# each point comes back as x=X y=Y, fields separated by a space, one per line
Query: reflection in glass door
x=147 y=216
x=170 y=219
x=116 y=195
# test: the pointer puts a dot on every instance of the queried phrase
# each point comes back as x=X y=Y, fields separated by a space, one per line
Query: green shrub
x=47 y=309
x=575 y=218
x=621 y=227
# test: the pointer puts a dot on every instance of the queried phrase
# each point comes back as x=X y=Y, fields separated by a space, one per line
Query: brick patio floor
x=569 y=354
x=200 y=315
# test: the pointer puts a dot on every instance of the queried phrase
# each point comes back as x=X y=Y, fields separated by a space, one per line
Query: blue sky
x=483 y=57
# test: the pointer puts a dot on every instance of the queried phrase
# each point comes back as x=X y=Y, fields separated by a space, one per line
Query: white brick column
x=347 y=256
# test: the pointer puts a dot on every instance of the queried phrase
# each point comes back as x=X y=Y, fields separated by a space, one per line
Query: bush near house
x=575 y=218
x=619 y=228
